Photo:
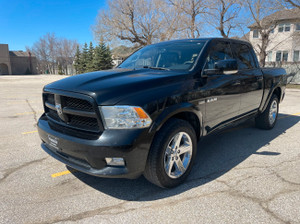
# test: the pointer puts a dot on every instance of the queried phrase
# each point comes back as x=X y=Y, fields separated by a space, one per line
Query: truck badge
x=59 y=109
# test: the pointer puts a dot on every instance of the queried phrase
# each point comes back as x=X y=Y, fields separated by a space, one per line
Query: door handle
x=259 y=78
x=236 y=83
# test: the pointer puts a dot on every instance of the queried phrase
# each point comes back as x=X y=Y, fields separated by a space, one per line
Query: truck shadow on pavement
x=217 y=154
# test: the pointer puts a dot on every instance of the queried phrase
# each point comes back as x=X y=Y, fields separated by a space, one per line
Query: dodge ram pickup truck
x=146 y=116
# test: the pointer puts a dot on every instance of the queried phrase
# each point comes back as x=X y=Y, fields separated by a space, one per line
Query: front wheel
x=268 y=118
x=172 y=154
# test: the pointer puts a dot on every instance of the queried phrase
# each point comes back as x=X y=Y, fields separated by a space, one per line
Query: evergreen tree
x=77 y=61
x=97 y=58
x=108 y=58
x=90 y=63
x=102 y=57
x=84 y=57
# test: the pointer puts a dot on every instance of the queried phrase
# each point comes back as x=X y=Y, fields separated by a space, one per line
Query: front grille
x=77 y=114
x=86 y=122
x=53 y=114
x=79 y=104
x=50 y=99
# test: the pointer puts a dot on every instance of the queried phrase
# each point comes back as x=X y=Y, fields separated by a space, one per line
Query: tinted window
x=219 y=51
x=243 y=56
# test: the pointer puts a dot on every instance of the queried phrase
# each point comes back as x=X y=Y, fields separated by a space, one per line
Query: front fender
x=174 y=110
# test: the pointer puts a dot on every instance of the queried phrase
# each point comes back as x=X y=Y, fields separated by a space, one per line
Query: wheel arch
x=276 y=90
x=184 y=112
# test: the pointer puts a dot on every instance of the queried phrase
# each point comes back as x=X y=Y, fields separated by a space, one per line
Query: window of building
x=272 y=29
x=255 y=34
x=285 y=56
x=278 y=56
x=287 y=27
x=284 y=27
x=296 y=56
x=282 y=55
x=244 y=56
x=298 y=26
x=269 y=56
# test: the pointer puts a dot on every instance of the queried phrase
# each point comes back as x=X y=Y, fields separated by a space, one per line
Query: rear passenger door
x=251 y=78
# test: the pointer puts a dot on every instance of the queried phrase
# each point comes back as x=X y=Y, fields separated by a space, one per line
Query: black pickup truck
x=147 y=115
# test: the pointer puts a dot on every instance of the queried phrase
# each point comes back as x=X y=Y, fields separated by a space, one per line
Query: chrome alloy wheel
x=178 y=155
x=273 y=112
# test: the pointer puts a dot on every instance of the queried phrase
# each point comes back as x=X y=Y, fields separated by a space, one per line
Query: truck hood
x=111 y=86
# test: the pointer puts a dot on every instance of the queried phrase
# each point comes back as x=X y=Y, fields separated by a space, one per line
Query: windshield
x=168 y=56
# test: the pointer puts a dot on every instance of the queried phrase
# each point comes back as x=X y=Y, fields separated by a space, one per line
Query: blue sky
x=22 y=22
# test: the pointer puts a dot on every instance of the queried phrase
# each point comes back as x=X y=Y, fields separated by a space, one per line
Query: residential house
x=284 y=45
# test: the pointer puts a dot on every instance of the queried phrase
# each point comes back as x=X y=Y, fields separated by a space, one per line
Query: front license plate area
x=53 y=141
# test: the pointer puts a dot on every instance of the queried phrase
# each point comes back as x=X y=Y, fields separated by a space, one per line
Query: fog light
x=115 y=161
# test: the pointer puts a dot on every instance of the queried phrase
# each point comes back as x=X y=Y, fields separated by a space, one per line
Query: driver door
x=223 y=100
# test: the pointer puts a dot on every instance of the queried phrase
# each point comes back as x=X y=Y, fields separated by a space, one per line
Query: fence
x=292 y=69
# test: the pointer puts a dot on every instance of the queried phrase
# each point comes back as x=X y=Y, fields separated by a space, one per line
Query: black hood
x=110 y=86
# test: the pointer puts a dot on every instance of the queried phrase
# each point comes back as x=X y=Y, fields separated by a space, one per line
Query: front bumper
x=88 y=156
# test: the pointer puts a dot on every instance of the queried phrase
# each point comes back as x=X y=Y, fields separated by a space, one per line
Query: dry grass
x=293 y=86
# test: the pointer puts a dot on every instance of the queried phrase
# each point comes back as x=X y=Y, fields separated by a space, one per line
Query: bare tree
x=51 y=46
x=137 y=21
x=191 y=12
x=52 y=52
x=265 y=24
x=66 y=50
x=223 y=15
x=293 y=3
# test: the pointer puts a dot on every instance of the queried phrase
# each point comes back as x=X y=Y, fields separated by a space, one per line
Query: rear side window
x=220 y=51
x=244 y=56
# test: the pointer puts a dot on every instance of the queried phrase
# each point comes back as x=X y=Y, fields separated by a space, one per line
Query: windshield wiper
x=157 y=68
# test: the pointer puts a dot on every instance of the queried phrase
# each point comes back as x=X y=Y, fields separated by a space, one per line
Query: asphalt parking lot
x=242 y=175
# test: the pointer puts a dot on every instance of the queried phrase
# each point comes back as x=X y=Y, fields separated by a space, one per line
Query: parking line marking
x=62 y=173
x=25 y=113
x=289 y=115
x=29 y=132
x=22 y=102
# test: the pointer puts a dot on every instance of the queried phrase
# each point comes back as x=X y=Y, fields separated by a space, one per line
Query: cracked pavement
x=240 y=175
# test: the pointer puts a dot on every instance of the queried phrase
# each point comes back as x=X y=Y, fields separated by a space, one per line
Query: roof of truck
x=206 y=39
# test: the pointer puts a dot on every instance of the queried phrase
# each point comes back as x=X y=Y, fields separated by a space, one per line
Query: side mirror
x=227 y=67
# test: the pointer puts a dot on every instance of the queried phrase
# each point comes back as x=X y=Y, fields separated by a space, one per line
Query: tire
x=268 y=118
x=172 y=154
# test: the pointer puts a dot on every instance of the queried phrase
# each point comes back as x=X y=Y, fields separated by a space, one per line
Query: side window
x=244 y=56
x=220 y=51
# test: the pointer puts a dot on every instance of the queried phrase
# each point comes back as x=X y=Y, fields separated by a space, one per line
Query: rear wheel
x=172 y=154
x=268 y=118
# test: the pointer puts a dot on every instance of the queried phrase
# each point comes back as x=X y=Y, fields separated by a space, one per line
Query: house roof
x=20 y=54
x=286 y=14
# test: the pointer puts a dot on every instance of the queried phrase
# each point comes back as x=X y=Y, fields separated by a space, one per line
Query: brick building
x=16 y=62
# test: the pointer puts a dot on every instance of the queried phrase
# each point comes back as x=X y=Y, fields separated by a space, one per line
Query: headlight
x=124 y=117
